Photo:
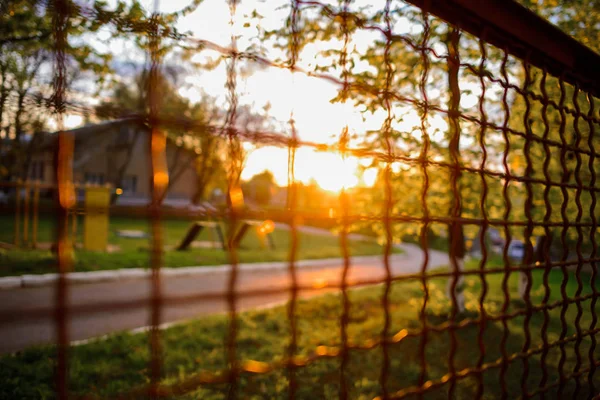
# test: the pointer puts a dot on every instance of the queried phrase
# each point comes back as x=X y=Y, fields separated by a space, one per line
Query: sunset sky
x=285 y=94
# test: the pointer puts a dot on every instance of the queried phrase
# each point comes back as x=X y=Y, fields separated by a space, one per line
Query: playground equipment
x=31 y=197
x=196 y=228
x=95 y=223
x=263 y=230
x=26 y=211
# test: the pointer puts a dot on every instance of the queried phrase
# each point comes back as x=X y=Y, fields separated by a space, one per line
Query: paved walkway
x=20 y=333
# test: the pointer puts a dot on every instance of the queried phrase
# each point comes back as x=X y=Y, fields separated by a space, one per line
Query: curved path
x=109 y=307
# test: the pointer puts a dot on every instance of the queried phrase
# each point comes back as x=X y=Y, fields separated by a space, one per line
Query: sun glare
x=316 y=117
x=330 y=171
x=333 y=173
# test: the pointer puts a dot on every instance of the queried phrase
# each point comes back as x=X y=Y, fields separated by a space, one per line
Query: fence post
x=35 y=217
x=211 y=237
x=523 y=275
x=542 y=245
x=26 y=185
x=74 y=225
x=17 y=212
x=460 y=282
x=457 y=264
x=523 y=280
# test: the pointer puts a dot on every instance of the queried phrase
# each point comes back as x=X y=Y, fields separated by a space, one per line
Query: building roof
x=48 y=139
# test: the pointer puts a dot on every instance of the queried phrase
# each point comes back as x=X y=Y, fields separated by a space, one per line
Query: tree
x=189 y=126
x=260 y=187
x=26 y=48
x=567 y=128
x=23 y=116
x=418 y=62
x=578 y=18
x=21 y=59
x=398 y=67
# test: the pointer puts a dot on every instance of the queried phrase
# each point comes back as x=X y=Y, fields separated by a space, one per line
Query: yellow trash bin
x=95 y=222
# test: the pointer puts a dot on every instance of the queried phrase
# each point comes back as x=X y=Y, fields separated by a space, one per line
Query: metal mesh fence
x=516 y=154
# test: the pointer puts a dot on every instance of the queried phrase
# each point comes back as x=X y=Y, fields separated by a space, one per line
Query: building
x=118 y=153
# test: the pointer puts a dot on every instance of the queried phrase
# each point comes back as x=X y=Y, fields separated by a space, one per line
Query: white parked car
x=516 y=250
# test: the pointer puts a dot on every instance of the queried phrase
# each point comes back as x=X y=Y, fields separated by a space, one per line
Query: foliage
x=260 y=188
x=431 y=102
x=27 y=46
x=558 y=163
x=578 y=18
x=187 y=125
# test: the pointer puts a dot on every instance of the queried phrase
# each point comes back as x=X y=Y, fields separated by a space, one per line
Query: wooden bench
x=243 y=230
x=196 y=228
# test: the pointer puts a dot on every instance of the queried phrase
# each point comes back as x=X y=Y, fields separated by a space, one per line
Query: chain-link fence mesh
x=488 y=131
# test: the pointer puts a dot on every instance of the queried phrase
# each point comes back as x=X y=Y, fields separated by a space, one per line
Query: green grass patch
x=121 y=363
x=135 y=253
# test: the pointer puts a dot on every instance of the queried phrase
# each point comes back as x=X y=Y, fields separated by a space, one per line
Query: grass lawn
x=120 y=363
x=135 y=252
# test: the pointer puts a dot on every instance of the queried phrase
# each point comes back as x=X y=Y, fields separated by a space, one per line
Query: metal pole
x=26 y=185
x=74 y=226
x=211 y=236
x=17 y=212
x=36 y=204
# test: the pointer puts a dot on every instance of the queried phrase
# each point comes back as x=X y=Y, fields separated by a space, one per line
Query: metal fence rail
x=532 y=72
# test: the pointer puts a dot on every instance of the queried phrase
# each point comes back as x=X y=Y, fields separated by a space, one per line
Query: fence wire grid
x=517 y=155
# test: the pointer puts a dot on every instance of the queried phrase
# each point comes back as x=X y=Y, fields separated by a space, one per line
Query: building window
x=94 y=178
x=36 y=171
x=129 y=184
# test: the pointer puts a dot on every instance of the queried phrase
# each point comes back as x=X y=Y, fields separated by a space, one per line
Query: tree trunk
x=455 y=228
x=31 y=148
x=206 y=169
x=3 y=93
x=18 y=167
x=3 y=98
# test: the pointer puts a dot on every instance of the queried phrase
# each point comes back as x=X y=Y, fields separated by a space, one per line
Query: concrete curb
x=10 y=282
x=31 y=281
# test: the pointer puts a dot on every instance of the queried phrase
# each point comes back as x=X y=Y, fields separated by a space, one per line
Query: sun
x=330 y=171
x=334 y=172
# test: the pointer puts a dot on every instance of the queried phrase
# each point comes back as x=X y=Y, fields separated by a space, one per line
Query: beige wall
x=98 y=155
x=183 y=186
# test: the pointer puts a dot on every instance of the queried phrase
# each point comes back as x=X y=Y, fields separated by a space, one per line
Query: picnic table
x=263 y=230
